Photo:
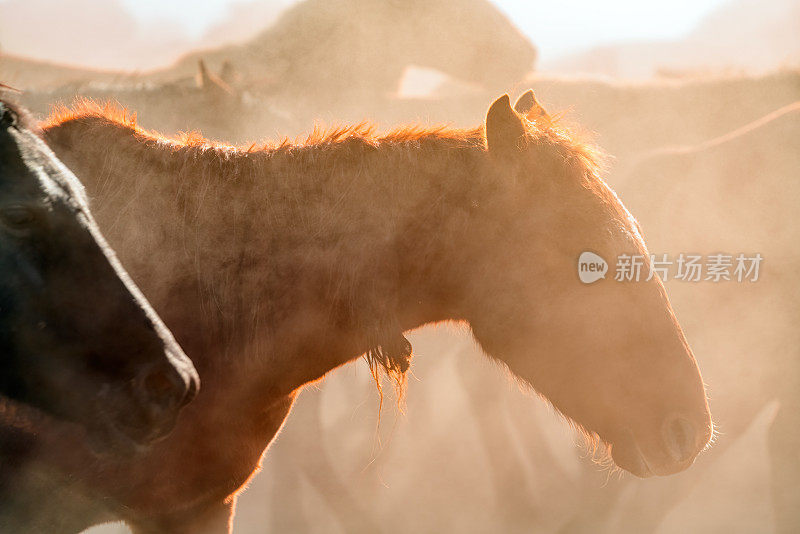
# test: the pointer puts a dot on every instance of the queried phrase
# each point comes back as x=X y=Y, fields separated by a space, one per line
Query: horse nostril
x=162 y=388
x=681 y=439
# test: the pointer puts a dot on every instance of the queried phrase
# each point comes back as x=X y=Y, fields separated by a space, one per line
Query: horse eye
x=17 y=217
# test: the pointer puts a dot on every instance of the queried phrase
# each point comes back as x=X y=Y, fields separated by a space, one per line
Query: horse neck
x=284 y=254
x=368 y=242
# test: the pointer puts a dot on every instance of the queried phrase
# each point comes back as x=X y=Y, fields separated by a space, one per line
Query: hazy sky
x=554 y=26
x=136 y=34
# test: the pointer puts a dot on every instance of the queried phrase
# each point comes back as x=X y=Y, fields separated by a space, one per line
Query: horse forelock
x=587 y=163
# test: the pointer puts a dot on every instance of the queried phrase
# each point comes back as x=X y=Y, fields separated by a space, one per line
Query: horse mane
x=572 y=144
x=319 y=137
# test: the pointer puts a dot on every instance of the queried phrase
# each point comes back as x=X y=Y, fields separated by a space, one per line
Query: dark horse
x=77 y=338
x=274 y=266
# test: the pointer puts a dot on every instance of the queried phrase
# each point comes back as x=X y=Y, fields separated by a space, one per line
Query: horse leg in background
x=285 y=492
x=784 y=444
x=489 y=406
x=214 y=519
x=314 y=464
x=639 y=505
x=600 y=502
x=654 y=498
x=598 y=491
x=300 y=454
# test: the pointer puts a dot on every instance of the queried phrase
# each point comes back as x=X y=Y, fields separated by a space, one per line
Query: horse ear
x=504 y=127
x=210 y=84
x=227 y=73
x=203 y=79
x=525 y=102
x=528 y=106
x=7 y=117
x=8 y=87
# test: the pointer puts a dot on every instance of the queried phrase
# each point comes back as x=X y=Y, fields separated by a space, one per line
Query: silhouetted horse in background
x=203 y=102
x=77 y=338
x=334 y=59
x=334 y=53
x=274 y=266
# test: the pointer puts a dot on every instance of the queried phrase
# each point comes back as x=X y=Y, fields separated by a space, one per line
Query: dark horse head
x=609 y=355
x=77 y=338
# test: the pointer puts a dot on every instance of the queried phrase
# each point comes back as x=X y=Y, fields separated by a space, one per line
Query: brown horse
x=274 y=266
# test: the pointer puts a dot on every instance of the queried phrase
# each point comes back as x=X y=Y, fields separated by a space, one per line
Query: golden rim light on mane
x=585 y=158
x=365 y=131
